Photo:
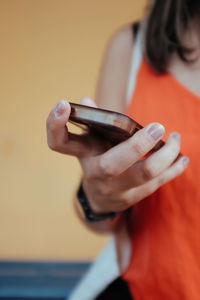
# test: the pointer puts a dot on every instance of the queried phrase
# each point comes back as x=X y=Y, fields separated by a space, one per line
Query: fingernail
x=185 y=161
x=60 y=108
x=176 y=136
x=156 y=131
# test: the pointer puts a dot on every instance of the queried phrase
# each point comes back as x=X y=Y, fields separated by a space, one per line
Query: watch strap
x=90 y=216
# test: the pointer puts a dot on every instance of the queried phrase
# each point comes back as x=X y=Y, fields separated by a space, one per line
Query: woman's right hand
x=118 y=178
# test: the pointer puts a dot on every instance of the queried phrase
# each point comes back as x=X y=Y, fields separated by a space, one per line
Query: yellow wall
x=49 y=49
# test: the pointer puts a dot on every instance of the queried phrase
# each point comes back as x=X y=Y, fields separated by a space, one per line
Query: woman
x=163 y=92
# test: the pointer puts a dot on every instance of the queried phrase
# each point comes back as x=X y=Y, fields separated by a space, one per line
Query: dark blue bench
x=39 y=280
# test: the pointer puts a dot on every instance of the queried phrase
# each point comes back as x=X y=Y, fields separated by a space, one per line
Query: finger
x=58 y=137
x=152 y=166
x=159 y=161
x=88 y=102
x=136 y=194
x=57 y=134
x=121 y=157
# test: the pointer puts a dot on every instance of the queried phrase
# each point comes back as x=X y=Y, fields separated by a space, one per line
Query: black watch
x=90 y=216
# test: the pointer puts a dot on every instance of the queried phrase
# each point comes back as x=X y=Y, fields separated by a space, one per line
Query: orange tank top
x=165 y=227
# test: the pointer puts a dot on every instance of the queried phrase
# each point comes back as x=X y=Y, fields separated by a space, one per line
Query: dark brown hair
x=167 y=22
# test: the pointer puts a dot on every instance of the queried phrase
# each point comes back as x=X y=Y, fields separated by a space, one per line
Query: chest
x=167 y=100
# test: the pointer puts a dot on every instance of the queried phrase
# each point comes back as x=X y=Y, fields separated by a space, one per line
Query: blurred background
x=49 y=50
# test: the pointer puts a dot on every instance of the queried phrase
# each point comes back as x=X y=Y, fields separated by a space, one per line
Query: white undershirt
x=135 y=63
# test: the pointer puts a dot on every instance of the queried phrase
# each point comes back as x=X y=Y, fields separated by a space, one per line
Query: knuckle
x=105 y=170
x=52 y=145
x=101 y=187
x=106 y=191
x=138 y=148
x=148 y=172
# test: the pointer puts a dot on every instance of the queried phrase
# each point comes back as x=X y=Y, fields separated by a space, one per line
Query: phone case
x=109 y=125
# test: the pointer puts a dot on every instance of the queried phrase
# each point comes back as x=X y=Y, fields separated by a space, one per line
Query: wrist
x=89 y=213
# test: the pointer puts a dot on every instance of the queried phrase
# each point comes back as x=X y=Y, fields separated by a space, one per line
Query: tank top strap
x=135 y=61
x=135 y=28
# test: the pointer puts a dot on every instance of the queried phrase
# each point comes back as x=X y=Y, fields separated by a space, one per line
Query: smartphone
x=109 y=125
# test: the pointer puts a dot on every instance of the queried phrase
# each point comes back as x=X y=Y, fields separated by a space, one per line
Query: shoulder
x=115 y=68
x=121 y=41
x=112 y=83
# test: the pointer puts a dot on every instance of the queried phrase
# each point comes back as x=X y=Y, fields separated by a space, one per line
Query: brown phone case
x=109 y=125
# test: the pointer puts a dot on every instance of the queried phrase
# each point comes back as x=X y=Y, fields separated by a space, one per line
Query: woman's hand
x=117 y=178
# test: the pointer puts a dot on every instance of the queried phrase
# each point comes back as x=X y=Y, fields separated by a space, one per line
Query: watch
x=90 y=216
